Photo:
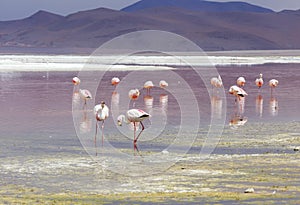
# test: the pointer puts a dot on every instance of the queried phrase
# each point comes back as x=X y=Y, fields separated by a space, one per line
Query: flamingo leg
x=134 y=132
x=102 y=132
x=84 y=105
x=95 y=139
x=140 y=132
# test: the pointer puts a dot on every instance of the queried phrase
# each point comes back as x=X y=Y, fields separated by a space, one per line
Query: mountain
x=197 y=5
x=86 y=30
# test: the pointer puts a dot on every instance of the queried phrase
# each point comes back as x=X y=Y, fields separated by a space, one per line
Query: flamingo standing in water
x=237 y=91
x=101 y=112
x=85 y=94
x=134 y=94
x=134 y=116
x=115 y=81
x=163 y=84
x=259 y=81
x=273 y=83
x=148 y=85
x=241 y=81
x=76 y=82
x=216 y=82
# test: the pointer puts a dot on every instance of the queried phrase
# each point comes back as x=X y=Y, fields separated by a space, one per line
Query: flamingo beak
x=119 y=123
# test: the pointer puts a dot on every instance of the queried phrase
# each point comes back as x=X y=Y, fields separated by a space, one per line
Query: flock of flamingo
x=136 y=116
x=237 y=90
x=240 y=94
x=132 y=116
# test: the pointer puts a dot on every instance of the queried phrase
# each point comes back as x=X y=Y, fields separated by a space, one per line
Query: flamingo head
x=102 y=104
x=76 y=81
x=120 y=118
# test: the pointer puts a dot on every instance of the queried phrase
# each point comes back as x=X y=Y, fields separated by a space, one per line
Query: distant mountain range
x=197 y=5
x=213 y=26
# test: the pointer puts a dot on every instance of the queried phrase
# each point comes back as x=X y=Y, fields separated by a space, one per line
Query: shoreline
x=29 y=62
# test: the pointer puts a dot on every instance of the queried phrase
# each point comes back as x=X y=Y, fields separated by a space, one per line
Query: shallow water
x=37 y=121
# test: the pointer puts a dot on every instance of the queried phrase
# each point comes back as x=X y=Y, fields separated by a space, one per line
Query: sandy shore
x=258 y=156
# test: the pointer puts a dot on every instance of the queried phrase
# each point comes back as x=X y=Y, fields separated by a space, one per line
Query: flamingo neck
x=124 y=119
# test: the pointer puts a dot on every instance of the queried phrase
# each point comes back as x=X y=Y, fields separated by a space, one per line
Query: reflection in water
x=148 y=100
x=273 y=106
x=236 y=121
x=163 y=102
x=216 y=107
x=259 y=105
x=115 y=99
x=76 y=99
x=85 y=124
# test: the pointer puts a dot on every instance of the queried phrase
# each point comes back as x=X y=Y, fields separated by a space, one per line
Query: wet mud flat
x=262 y=156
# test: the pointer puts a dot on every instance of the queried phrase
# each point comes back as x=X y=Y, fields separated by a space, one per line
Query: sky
x=18 y=9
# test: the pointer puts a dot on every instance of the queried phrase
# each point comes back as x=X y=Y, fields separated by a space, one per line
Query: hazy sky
x=17 y=9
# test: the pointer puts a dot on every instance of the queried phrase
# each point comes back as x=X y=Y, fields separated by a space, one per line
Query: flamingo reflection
x=216 y=107
x=236 y=121
x=273 y=106
x=148 y=100
x=85 y=125
x=163 y=101
x=259 y=105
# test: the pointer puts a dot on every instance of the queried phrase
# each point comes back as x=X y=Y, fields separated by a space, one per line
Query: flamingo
x=216 y=82
x=259 y=81
x=163 y=84
x=101 y=112
x=76 y=82
x=239 y=93
x=241 y=81
x=134 y=94
x=115 y=81
x=134 y=116
x=273 y=83
x=85 y=94
x=148 y=85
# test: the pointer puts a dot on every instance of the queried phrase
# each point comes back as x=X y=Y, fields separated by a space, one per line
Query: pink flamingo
x=273 y=83
x=259 y=81
x=216 y=82
x=239 y=93
x=101 y=112
x=148 y=85
x=163 y=84
x=115 y=81
x=241 y=81
x=76 y=82
x=134 y=116
x=134 y=94
x=85 y=94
